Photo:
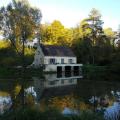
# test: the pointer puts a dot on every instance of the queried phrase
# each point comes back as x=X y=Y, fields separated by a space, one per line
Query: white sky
x=71 y=12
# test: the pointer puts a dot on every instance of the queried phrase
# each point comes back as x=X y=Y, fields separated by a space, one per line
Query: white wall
x=39 y=57
x=60 y=82
x=50 y=67
x=58 y=59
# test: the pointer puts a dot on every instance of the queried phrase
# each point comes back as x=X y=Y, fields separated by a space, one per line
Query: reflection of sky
x=5 y=103
x=53 y=86
x=112 y=112
x=31 y=90
x=5 y=99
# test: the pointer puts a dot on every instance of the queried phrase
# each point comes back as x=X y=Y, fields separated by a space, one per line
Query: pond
x=63 y=91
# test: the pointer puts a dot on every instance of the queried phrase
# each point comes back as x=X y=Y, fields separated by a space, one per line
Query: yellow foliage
x=17 y=89
x=4 y=44
x=83 y=106
x=29 y=51
x=4 y=94
x=62 y=102
x=30 y=100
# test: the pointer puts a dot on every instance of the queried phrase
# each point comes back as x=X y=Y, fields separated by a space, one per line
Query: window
x=62 y=61
x=52 y=61
x=70 y=61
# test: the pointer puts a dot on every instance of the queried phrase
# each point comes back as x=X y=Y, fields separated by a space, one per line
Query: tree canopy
x=19 y=21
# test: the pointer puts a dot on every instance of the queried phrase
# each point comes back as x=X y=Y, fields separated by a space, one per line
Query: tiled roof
x=52 y=50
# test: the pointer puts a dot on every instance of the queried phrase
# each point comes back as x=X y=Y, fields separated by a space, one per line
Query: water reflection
x=5 y=103
x=63 y=91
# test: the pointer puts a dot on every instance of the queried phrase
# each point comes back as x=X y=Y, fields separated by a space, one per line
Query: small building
x=55 y=58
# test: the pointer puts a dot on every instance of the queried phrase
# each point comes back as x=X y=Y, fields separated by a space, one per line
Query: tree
x=19 y=22
x=95 y=23
x=55 y=33
x=100 y=42
x=110 y=34
x=92 y=45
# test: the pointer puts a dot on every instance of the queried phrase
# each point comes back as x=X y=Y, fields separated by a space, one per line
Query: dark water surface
x=61 y=91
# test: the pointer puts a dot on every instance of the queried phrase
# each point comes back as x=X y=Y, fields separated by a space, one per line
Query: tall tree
x=55 y=33
x=95 y=23
x=90 y=34
x=19 y=21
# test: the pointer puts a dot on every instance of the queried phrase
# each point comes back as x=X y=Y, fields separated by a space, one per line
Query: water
x=62 y=91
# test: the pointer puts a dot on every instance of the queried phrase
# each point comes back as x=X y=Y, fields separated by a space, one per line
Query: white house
x=55 y=58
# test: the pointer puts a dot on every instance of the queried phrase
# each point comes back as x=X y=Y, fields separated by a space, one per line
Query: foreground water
x=65 y=92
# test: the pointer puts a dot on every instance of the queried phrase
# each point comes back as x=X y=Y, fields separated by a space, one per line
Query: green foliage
x=10 y=58
x=19 y=22
x=32 y=114
x=56 y=34
x=83 y=50
x=95 y=72
x=109 y=32
x=91 y=45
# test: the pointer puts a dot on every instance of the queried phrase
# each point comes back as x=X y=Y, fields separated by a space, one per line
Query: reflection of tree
x=15 y=90
x=19 y=22
x=61 y=102
x=100 y=89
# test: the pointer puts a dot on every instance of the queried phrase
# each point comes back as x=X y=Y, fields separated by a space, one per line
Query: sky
x=71 y=12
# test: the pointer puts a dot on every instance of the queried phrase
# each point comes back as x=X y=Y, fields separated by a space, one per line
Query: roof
x=52 y=50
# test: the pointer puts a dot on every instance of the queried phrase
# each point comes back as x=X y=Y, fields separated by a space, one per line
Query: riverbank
x=107 y=73
x=89 y=72
x=18 y=72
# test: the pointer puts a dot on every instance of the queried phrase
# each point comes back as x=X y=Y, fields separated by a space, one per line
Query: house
x=55 y=58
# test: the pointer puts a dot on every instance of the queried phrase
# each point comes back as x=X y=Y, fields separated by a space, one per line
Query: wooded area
x=91 y=43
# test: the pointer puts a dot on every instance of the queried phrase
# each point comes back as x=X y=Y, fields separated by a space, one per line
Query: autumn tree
x=19 y=22
x=55 y=33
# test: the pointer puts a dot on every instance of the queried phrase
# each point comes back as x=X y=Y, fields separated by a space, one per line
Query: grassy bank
x=18 y=72
x=94 y=72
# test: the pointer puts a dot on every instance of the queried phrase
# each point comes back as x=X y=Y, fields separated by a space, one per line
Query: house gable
x=39 y=57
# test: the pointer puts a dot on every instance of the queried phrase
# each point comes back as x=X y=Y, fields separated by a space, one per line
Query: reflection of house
x=59 y=82
x=55 y=58
x=54 y=86
x=51 y=80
